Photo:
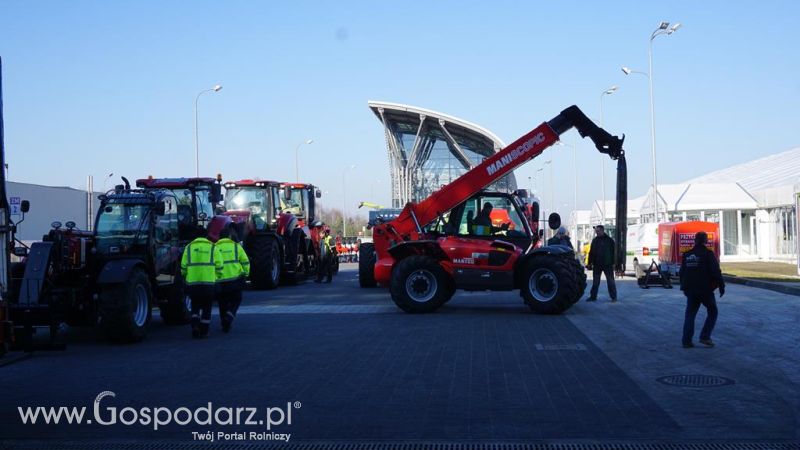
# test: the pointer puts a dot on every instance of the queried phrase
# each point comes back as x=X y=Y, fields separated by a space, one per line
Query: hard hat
x=562 y=230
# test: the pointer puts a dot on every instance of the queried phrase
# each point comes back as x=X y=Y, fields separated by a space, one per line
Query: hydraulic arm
x=408 y=225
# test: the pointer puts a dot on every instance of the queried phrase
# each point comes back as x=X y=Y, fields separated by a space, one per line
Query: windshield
x=294 y=204
x=121 y=225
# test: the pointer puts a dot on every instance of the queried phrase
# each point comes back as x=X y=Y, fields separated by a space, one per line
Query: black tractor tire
x=420 y=285
x=265 y=261
x=125 y=308
x=366 y=265
x=177 y=309
x=17 y=272
x=580 y=274
x=551 y=283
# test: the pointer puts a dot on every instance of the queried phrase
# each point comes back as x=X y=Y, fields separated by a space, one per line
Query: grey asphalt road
x=349 y=366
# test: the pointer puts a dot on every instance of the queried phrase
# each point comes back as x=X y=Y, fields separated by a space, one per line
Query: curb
x=777 y=287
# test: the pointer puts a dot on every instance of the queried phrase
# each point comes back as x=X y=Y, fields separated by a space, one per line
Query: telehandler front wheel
x=551 y=284
x=420 y=285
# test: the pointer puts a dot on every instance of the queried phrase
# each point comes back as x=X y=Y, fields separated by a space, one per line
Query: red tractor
x=433 y=247
x=276 y=223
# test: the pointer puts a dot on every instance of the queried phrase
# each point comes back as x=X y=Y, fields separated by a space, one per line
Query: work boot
x=196 y=332
x=227 y=322
x=591 y=299
x=689 y=345
x=614 y=300
x=707 y=342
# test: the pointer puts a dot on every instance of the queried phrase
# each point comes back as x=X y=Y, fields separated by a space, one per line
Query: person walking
x=560 y=238
x=201 y=266
x=327 y=253
x=700 y=275
x=601 y=262
x=235 y=270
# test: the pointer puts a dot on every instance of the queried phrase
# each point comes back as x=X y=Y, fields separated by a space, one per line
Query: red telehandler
x=430 y=249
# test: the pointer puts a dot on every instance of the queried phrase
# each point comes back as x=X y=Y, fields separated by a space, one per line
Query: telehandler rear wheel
x=551 y=283
x=125 y=308
x=420 y=285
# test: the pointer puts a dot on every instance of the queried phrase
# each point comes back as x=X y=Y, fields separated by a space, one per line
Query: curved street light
x=608 y=91
x=216 y=88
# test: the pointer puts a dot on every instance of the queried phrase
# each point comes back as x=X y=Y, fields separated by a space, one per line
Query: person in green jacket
x=327 y=250
x=201 y=266
x=235 y=270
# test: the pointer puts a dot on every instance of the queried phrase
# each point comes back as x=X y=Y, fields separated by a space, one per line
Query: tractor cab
x=299 y=199
x=196 y=201
x=506 y=220
x=253 y=204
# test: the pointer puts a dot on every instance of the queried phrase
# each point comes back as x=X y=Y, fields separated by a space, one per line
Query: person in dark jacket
x=700 y=275
x=601 y=261
x=560 y=238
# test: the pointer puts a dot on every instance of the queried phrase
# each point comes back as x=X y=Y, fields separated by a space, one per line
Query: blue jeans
x=693 y=302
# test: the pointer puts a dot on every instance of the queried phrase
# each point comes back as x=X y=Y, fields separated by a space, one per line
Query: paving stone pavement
x=482 y=369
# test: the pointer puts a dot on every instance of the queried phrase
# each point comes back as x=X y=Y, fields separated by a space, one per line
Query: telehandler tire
x=420 y=285
x=125 y=308
x=551 y=284
x=366 y=265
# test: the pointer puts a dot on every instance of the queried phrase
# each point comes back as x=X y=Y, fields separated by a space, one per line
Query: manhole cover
x=695 y=380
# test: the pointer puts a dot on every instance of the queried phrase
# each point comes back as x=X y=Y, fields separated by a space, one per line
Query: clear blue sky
x=93 y=87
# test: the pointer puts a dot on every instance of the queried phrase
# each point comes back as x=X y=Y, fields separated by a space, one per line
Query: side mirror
x=541 y=233
x=215 y=196
x=21 y=251
x=25 y=206
x=287 y=193
x=554 y=221
x=318 y=193
x=160 y=209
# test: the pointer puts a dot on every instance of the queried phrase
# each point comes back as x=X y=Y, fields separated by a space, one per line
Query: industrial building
x=755 y=204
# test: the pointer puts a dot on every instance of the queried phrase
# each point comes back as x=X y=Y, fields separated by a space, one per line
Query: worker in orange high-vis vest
x=201 y=266
x=235 y=269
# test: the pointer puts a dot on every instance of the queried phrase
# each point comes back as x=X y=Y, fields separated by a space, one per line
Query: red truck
x=676 y=238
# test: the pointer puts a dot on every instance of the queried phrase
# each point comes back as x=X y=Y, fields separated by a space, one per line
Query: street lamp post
x=344 y=199
x=608 y=91
x=296 y=164
x=216 y=88
x=664 y=28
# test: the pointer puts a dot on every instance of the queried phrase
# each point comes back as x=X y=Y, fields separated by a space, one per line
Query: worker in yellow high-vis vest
x=201 y=266
x=235 y=270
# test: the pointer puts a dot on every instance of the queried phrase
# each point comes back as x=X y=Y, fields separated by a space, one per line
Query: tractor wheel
x=265 y=262
x=550 y=284
x=420 y=285
x=580 y=274
x=125 y=308
x=177 y=310
x=366 y=265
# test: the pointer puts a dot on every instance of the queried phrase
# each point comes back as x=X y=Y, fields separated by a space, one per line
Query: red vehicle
x=276 y=223
x=677 y=238
x=429 y=250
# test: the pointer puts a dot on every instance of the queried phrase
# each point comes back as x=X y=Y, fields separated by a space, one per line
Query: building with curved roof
x=429 y=149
